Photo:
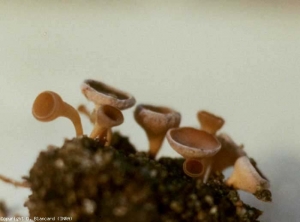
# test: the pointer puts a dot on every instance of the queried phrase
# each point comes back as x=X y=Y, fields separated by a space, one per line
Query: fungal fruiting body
x=156 y=121
x=106 y=118
x=196 y=146
x=228 y=154
x=102 y=94
x=210 y=122
x=205 y=152
x=49 y=105
x=117 y=183
x=245 y=176
x=193 y=167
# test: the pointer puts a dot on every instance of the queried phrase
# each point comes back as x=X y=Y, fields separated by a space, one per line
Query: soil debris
x=85 y=181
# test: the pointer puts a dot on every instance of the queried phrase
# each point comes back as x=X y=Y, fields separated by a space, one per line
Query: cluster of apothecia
x=203 y=150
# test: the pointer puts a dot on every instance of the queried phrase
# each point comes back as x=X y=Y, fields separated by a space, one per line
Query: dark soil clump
x=92 y=183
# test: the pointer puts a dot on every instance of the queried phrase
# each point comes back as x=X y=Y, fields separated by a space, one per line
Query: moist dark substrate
x=85 y=181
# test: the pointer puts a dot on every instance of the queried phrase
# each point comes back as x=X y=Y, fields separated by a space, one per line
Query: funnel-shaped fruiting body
x=49 y=105
x=156 y=121
x=102 y=94
x=106 y=118
x=228 y=154
x=209 y=122
x=193 y=167
x=245 y=177
x=194 y=144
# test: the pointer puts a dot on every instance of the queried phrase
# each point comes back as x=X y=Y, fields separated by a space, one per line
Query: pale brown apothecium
x=156 y=121
x=194 y=144
x=49 y=105
x=193 y=167
x=106 y=118
x=204 y=150
x=102 y=94
x=210 y=122
x=228 y=154
x=245 y=177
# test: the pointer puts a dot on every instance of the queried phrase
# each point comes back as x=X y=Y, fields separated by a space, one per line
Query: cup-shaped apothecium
x=49 y=105
x=194 y=144
x=229 y=153
x=193 y=167
x=156 y=121
x=102 y=94
x=209 y=122
x=245 y=177
x=106 y=118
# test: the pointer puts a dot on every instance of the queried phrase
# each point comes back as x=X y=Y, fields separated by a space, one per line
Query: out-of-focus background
x=237 y=59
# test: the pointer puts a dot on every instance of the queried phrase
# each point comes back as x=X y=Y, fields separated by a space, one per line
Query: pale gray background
x=237 y=59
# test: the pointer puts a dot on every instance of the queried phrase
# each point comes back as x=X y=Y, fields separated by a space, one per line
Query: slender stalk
x=155 y=142
x=24 y=184
x=72 y=114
